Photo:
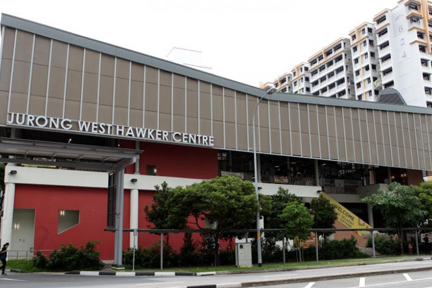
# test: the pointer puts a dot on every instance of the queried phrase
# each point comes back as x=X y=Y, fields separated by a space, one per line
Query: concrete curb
x=130 y=274
x=331 y=277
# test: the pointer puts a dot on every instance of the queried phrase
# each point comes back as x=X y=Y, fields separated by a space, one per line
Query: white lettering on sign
x=27 y=120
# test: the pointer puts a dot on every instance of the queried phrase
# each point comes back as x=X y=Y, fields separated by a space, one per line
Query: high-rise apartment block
x=392 y=52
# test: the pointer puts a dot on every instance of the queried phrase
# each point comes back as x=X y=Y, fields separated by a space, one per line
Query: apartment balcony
x=384 y=51
x=387 y=78
x=383 y=38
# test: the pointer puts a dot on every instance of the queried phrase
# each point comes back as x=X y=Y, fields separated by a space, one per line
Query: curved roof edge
x=88 y=43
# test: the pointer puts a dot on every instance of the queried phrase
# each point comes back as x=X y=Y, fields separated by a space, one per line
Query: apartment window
x=381 y=19
x=353 y=37
x=322 y=79
x=356 y=60
x=371 y=43
x=294 y=74
x=322 y=68
x=151 y=170
x=367 y=68
x=420 y=35
x=340 y=81
x=428 y=104
x=307 y=89
x=355 y=49
x=414 y=20
x=430 y=11
x=339 y=70
x=364 y=43
x=342 y=93
x=330 y=64
x=332 y=96
x=384 y=45
x=376 y=92
x=366 y=55
x=368 y=80
x=316 y=93
x=284 y=90
x=357 y=72
x=430 y=23
x=387 y=71
x=314 y=72
x=331 y=74
x=67 y=219
x=323 y=90
x=358 y=85
x=385 y=58
x=372 y=54
x=313 y=62
x=306 y=69
x=413 y=6
x=301 y=80
x=339 y=58
x=337 y=47
x=369 y=30
x=307 y=79
x=389 y=85
x=331 y=86
x=422 y=48
x=359 y=97
x=283 y=80
x=329 y=52
x=374 y=67
x=424 y=62
x=428 y=91
x=320 y=58
x=382 y=32
x=370 y=93
x=301 y=69
x=363 y=31
x=295 y=83
x=426 y=76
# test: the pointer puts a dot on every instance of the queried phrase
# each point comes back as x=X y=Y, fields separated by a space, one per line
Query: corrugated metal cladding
x=41 y=75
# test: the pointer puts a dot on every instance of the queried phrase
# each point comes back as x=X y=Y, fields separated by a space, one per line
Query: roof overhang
x=86 y=157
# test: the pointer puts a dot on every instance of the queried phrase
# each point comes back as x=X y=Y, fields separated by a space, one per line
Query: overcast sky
x=244 y=40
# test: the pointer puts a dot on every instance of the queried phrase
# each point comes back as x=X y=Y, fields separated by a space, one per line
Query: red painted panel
x=176 y=160
x=92 y=204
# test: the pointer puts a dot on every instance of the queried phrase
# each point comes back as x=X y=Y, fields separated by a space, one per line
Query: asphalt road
x=312 y=277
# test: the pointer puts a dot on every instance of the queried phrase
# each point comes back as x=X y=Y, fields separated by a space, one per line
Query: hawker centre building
x=72 y=109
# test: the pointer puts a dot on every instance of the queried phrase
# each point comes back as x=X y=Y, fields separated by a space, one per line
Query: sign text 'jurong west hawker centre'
x=43 y=122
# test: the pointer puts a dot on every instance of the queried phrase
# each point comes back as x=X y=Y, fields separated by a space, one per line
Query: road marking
x=310 y=285
x=396 y=282
x=279 y=275
x=163 y=283
x=407 y=277
x=9 y=279
x=362 y=282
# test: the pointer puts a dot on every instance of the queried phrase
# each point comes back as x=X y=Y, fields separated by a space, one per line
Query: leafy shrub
x=385 y=245
x=149 y=257
x=70 y=258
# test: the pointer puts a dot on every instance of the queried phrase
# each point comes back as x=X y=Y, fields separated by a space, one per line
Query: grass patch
x=23 y=266
x=280 y=266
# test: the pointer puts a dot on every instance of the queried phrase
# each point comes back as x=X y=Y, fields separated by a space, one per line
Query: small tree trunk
x=401 y=239
x=216 y=261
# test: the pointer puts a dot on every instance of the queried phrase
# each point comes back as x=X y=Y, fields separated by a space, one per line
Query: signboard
x=347 y=218
x=52 y=123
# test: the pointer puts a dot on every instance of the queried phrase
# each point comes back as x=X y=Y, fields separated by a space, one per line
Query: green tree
x=160 y=210
x=296 y=218
x=324 y=214
x=399 y=206
x=227 y=201
x=424 y=192
x=279 y=202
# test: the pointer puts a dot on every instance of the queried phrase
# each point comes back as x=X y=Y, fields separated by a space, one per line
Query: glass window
x=67 y=219
x=151 y=170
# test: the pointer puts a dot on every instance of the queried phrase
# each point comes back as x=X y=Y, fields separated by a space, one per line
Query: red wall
x=176 y=160
x=92 y=204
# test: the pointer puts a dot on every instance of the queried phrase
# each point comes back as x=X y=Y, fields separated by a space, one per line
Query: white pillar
x=7 y=218
x=133 y=217
x=370 y=215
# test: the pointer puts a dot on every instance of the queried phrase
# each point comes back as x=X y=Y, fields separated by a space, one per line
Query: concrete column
x=118 y=249
x=7 y=218
x=370 y=215
x=317 y=173
x=133 y=217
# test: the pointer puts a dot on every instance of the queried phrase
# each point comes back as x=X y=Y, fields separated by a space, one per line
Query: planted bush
x=70 y=258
